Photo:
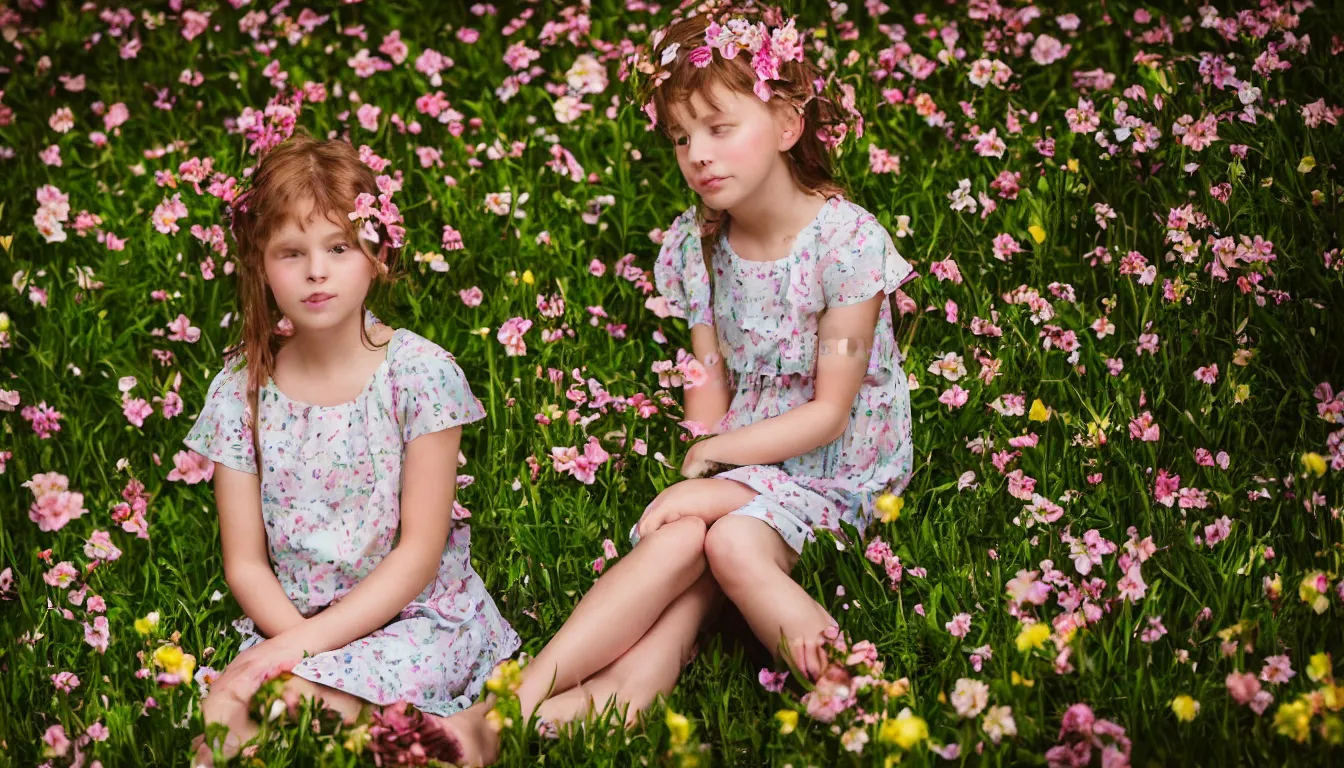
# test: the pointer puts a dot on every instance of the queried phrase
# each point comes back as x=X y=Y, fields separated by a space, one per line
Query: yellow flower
x=1241 y=394
x=1314 y=463
x=890 y=506
x=356 y=739
x=1318 y=667
x=1032 y=636
x=1185 y=708
x=148 y=623
x=1073 y=164
x=1293 y=719
x=907 y=730
x=1020 y=680
x=174 y=661
x=1307 y=163
x=788 y=720
x=679 y=727
x=505 y=677
x=1332 y=727
x=1037 y=233
x=1038 y=411
x=528 y=279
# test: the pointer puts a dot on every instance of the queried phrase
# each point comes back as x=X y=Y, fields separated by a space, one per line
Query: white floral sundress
x=766 y=316
x=331 y=506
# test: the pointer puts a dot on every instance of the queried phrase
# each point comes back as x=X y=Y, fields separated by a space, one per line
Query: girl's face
x=727 y=153
x=318 y=275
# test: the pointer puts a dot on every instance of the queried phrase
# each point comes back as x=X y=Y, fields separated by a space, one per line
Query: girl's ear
x=791 y=128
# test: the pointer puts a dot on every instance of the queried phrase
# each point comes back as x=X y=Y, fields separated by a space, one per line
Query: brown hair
x=809 y=159
x=331 y=175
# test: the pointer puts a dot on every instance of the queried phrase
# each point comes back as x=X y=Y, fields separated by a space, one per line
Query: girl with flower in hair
x=335 y=441
x=784 y=285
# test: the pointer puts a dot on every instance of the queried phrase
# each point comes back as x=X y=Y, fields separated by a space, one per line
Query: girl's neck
x=327 y=350
x=778 y=209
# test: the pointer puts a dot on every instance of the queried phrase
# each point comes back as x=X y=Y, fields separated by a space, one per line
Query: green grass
x=534 y=547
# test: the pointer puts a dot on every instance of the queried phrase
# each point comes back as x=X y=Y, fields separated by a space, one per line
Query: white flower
x=999 y=723
x=961 y=197
x=969 y=697
x=950 y=366
x=670 y=53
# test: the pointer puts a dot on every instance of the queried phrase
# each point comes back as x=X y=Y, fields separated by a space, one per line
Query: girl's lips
x=713 y=183
x=318 y=300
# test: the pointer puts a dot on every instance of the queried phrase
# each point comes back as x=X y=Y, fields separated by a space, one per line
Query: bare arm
x=429 y=486
x=709 y=402
x=247 y=567
x=845 y=341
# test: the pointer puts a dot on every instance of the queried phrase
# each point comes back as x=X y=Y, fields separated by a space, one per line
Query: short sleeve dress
x=766 y=316
x=330 y=498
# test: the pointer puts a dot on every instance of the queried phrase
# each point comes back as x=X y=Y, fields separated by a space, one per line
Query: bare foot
x=479 y=741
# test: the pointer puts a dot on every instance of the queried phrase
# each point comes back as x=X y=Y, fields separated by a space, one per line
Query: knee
x=684 y=537
x=729 y=551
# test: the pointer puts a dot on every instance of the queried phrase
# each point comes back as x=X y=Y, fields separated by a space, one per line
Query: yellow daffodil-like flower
x=1241 y=394
x=1185 y=708
x=1020 y=680
x=907 y=730
x=1318 y=667
x=528 y=278
x=1314 y=463
x=1037 y=233
x=890 y=505
x=788 y=720
x=1032 y=636
x=678 y=727
x=1072 y=165
x=1306 y=164
x=1293 y=719
x=174 y=661
x=148 y=624
x=1038 y=411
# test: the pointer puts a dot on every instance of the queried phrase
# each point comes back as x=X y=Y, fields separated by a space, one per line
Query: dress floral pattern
x=331 y=506
x=766 y=314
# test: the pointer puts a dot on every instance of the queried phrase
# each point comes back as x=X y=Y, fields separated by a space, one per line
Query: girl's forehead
x=716 y=101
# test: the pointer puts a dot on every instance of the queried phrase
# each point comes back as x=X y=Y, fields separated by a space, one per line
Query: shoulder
x=851 y=220
x=232 y=378
x=410 y=353
x=681 y=233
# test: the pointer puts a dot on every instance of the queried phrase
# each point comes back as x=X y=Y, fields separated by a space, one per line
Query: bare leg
x=651 y=667
x=608 y=621
x=751 y=563
x=619 y=610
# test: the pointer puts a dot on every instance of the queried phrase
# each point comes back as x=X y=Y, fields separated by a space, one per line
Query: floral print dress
x=330 y=494
x=766 y=315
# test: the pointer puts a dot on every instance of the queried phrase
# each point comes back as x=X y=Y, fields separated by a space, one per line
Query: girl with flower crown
x=336 y=451
x=784 y=285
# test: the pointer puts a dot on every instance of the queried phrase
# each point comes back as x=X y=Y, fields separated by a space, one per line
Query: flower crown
x=770 y=47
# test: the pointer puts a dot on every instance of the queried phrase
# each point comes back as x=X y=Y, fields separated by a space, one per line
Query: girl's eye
x=339 y=249
x=719 y=130
x=683 y=141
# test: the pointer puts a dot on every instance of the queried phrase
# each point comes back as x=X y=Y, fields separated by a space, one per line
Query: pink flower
x=61 y=575
x=136 y=410
x=772 y=681
x=45 y=420
x=1132 y=586
x=1005 y=245
x=955 y=397
x=511 y=336
x=833 y=694
x=97 y=634
x=100 y=547
x=98 y=732
x=191 y=468
x=1143 y=428
x=1277 y=669
x=1242 y=686
x=181 y=329
x=1207 y=374
x=51 y=511
x=65 y=682
x=1024 y=588
x=1047 y=50
x=56 y=741
x=959 y=626
x=702 y=56
x=368 y=116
